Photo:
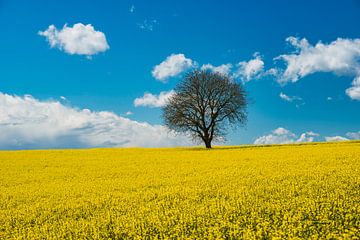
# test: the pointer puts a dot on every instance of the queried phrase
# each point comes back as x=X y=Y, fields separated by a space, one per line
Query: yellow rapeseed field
x=289 y=191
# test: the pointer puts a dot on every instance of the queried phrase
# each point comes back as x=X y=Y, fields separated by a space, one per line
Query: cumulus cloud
x=284 y=136
x=172 y=66
x=175 y=64
x=79 y=39
x=252 y=69
x=307 y=137
x=354 y=91
x=279 y=135
x=26 y=122
x=224 y=69
x=335 y=139
x=151 y=100
x=353 y=135
x=289 y=98
x=340 y=57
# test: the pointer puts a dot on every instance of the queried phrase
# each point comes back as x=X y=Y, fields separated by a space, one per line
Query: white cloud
x=222 y=69
x=279 y=135
x=151 y=100
x=285 y=97
x=307 y=137
x=283 y=136
x=282 y=131
x=335 y=139
x=128 y=113
x=340 y=57
x=175 y=64
x=289 y=98
x=148 y=24
x=26 y=122
x=353 y=135
x=272 y=72
x=172 y=66
x=354 y=91
x=79 y=39
x=251 y=69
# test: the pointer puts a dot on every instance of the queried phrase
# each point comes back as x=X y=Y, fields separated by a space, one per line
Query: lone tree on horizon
x=204 y=104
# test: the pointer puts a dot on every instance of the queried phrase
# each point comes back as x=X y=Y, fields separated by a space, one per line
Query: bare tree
x=204 y=105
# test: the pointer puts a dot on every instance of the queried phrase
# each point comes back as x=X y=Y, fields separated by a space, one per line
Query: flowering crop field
x=276 y=192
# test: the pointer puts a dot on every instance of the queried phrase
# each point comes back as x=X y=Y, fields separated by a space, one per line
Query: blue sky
x=140 y=35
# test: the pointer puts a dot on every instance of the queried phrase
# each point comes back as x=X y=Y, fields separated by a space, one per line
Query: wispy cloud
x=132 y=8
x=148 y=25
x=287 y=98
x=128 y=113
x=63 y=98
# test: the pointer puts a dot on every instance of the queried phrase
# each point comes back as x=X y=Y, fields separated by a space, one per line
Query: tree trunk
x=207 y=143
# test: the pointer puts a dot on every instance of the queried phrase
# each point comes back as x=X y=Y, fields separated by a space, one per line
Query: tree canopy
x=204 y=105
